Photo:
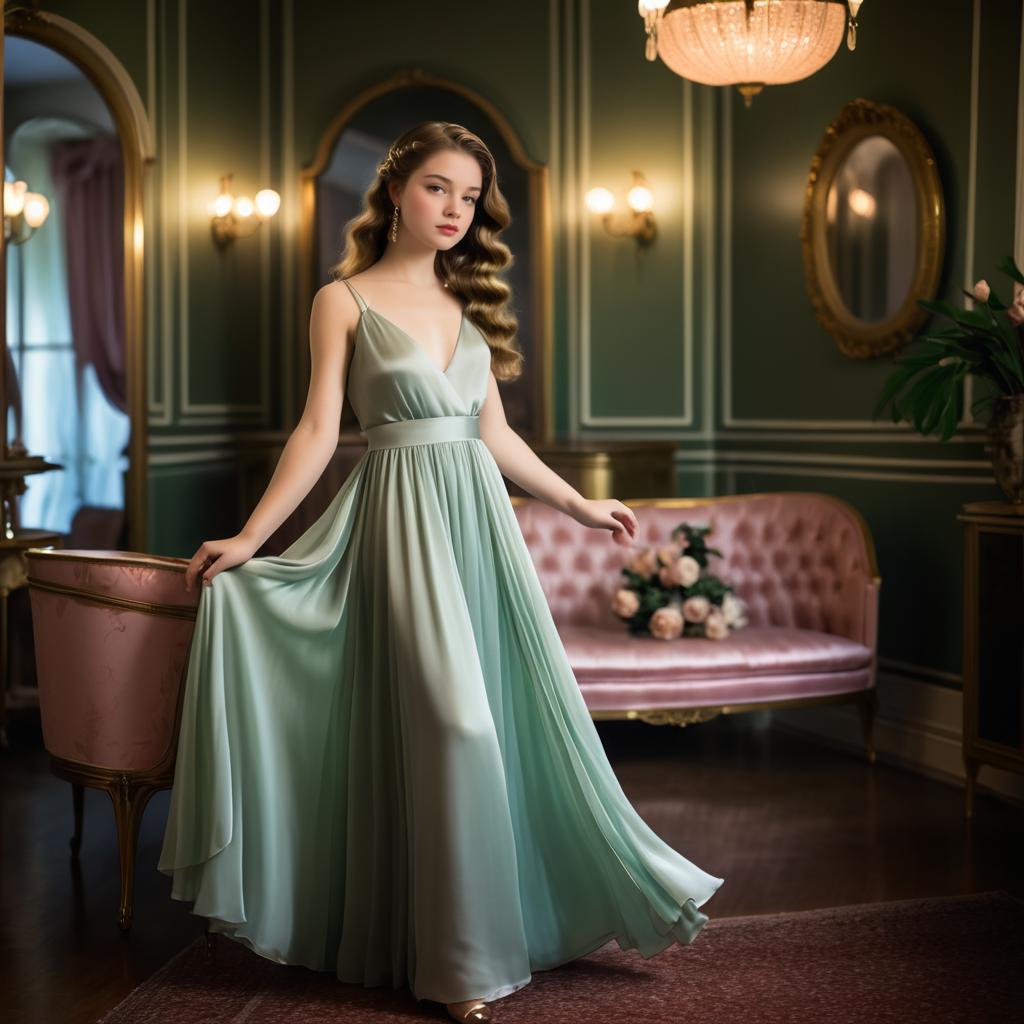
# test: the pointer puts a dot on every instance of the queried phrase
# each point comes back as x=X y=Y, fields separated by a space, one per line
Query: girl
x=386 y=768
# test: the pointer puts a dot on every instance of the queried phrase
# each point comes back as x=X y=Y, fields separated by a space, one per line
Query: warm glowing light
x=222 y=204
x=652 y=5
x=37 y=208
x=268 y=202
x=243 y=207
x=862 y=203
x=640 y=198
x=783 y=41
x=599 y=200
x=14 y=197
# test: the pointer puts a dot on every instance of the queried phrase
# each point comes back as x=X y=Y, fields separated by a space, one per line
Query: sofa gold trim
x=866 y=701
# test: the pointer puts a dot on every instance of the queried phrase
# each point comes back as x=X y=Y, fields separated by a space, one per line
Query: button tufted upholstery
x=803 y=562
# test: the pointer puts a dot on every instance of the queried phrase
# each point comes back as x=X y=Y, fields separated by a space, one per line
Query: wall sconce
x=638 y=223
x=24 y=211
x=234 y=216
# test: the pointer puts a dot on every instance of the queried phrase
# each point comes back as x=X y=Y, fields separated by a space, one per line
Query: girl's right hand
x=214 y=556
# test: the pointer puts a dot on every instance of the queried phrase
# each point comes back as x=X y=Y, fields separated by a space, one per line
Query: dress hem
x=227 y=928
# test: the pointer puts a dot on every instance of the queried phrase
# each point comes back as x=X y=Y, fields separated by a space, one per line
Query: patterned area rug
x=951 y=959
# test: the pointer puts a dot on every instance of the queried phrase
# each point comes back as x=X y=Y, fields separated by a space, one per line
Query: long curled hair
x=471 y=267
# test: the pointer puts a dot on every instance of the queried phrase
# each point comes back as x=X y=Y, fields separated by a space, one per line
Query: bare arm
x=520 y=464
x=332 y=322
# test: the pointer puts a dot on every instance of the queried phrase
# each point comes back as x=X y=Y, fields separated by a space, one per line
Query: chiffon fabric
x=385 y=767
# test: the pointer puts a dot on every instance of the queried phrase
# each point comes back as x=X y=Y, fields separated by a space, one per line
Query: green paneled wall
x=785 y=389
x=708 y=337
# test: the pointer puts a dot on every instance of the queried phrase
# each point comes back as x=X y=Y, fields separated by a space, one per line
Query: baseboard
x=918 y=727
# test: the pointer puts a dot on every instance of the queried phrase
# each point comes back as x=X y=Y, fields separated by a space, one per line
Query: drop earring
x=394 y=226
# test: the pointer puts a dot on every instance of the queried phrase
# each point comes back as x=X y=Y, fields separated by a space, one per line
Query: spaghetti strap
x=358 y=297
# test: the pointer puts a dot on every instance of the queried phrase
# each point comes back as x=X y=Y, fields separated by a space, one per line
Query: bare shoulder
x=335 y=304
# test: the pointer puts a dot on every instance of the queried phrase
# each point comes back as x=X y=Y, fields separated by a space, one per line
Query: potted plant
x=985 y=342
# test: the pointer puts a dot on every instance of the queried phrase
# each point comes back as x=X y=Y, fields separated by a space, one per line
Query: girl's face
x=441 y=193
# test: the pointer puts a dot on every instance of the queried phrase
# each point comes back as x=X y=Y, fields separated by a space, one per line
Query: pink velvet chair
x=803 y=562
x=112 y=632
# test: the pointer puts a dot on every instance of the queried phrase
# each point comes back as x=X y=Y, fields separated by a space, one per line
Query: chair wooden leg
x=868 y=706
x=130 y=799
x=211 y=936
x=970 y=782
x=77 y=804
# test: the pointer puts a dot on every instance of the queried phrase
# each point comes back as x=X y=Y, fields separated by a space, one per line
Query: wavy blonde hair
x=471 y=267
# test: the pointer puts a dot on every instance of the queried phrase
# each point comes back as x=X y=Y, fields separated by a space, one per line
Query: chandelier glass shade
x=746 y=43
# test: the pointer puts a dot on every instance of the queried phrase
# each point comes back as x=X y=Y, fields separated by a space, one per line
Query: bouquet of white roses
x=668 y=593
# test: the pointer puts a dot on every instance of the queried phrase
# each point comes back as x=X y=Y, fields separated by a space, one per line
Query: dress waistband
x=428 y=430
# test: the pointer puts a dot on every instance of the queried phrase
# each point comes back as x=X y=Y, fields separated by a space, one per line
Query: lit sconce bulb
x=599 y=200
x=243 y=206
x=862 y=203
x=640 y=198
x=652 y=5
x=234 y=216
x=637 y=222
x=14 y=197
x=37 y=208
x=24 y=211
x=268 y=202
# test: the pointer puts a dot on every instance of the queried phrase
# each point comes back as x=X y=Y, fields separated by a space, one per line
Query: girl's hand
x=214 y=556
x=608 y=514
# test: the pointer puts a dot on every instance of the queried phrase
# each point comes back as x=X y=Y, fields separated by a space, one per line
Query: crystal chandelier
x=746 y=43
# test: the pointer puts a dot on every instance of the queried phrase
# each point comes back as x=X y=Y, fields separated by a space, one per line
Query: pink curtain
x=88 y=176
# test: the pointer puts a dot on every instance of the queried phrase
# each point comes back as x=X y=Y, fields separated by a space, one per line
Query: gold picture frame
x=856 y=337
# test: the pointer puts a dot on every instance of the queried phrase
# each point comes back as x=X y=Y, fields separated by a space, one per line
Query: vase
x=1006 y=445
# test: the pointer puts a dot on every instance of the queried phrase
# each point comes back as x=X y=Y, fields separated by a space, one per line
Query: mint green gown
x=385 y=767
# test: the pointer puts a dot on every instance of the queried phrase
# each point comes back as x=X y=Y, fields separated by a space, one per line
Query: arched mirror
x=345 y=163
x=873 y=229
x=74 y=141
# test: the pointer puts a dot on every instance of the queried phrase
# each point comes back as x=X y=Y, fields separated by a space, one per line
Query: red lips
x=447 y=228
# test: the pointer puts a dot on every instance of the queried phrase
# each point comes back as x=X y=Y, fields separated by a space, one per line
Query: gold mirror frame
x=128 y=111
x=539 y=214
x=858 y=120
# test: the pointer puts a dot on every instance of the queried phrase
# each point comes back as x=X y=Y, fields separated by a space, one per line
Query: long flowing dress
x=386 y=768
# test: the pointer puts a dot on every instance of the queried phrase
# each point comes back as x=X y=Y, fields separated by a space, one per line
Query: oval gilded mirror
x=333 y=185
x=873 y=229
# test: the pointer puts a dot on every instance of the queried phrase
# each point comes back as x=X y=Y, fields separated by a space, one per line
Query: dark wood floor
x=788 y=823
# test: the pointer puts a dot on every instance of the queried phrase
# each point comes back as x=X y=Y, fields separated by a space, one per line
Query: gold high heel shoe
x=478 y=1013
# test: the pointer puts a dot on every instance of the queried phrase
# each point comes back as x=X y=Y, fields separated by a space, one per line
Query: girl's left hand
x=608 y=514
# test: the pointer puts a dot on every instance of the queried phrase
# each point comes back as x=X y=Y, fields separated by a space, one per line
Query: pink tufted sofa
x=803 y=562
x=112 y=634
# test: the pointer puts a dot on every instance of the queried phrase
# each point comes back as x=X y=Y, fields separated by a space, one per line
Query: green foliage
x=926 y=388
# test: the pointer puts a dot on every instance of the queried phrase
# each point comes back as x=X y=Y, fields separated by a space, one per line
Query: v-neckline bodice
x=416 y=345
x=366 y=308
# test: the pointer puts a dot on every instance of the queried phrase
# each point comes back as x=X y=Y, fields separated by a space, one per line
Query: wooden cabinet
x=993 y=680
x=611 y=469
